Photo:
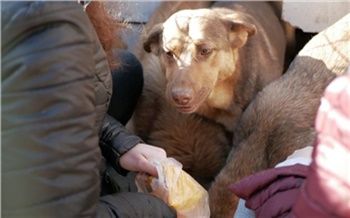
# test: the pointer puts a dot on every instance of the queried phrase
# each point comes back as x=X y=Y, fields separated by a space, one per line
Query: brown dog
x=281 y=117
x=212 y=66
x=206 y=66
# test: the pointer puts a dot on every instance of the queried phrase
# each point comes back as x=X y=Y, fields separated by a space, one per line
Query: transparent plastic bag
x=178 y=189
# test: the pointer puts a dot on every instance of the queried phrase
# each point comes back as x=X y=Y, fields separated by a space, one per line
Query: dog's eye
x=205 y=51
x=169 y=54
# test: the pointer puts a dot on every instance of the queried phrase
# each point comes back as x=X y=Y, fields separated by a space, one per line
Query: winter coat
x=321 y=189
x=56 y=87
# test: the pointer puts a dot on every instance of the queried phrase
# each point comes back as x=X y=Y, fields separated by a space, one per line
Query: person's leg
x=127 y=87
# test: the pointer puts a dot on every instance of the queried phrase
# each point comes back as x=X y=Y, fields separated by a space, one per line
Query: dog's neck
x=222 y=105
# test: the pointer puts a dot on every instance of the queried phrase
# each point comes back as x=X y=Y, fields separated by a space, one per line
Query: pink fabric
x=286 y=192
x=326 y=192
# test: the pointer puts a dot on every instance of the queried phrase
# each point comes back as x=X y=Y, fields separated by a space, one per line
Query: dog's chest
x=227 y=117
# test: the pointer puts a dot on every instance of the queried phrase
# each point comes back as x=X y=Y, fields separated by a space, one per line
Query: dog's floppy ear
x=151 y=44
x=240 y=30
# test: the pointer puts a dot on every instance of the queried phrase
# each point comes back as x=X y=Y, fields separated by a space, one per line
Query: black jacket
x=56 y=88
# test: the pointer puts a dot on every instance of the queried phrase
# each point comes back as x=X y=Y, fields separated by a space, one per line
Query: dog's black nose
x=181 y=97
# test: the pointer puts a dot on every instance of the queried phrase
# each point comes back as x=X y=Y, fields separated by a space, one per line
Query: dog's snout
x=182 y=97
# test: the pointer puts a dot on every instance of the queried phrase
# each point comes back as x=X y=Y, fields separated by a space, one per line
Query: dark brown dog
x=281 y=117
x=205 y=67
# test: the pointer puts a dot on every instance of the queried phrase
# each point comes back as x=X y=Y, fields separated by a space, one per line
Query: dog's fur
x=208 y=64
x=281 y=117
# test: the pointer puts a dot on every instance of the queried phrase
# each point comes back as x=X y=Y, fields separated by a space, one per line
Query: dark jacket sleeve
x=116 y=140
x=50 y=152
x=134 y=205
x=50 y=143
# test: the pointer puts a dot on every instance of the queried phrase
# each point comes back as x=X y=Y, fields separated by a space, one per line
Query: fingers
x=158 y=153
x=149 y=168
x=139 y=158
x=153 y=153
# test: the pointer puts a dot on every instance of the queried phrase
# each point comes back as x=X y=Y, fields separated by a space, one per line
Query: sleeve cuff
x=112 y=158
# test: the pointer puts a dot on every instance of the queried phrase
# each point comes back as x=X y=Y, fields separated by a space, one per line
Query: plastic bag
x=178 y=189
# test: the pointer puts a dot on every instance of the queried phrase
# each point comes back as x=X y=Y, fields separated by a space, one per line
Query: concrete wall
x=314 y=16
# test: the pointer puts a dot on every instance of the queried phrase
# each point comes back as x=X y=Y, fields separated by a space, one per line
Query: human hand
x=137 y=158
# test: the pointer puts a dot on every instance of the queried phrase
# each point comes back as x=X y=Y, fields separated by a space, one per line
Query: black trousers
x=127 y=86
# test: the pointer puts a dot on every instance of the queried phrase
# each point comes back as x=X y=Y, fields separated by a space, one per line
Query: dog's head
x=198 y=49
